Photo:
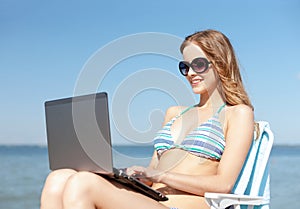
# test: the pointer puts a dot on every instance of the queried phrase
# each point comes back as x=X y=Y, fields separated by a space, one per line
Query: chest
x=189 y=123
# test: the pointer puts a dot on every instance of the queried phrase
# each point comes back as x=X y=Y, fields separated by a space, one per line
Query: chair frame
x=222 y=201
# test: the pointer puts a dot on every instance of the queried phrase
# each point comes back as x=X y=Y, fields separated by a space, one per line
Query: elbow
x=225 y=188
x=228 y=189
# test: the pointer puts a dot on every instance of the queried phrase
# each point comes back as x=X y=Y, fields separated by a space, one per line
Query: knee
x=80 y=187
x=56 y=181
x=81 y=182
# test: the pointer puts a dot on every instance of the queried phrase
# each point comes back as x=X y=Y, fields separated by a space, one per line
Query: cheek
x=211 y=81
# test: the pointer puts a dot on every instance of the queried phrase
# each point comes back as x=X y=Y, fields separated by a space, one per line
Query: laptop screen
x=78 y=133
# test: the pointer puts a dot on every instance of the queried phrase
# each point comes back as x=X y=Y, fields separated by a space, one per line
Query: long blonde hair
x=219 y=51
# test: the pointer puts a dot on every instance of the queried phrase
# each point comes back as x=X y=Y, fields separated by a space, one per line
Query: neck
x=211 y=100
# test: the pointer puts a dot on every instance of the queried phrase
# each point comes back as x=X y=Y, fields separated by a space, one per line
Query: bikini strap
x=185 y=110
x=221 y=108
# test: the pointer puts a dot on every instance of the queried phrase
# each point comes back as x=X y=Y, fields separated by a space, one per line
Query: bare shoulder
x=241 y=116
x=239 y=111
x=172 y=112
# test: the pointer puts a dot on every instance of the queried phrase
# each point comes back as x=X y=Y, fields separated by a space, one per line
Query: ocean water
x=24 y=169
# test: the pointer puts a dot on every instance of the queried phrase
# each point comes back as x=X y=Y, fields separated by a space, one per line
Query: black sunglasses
x=199 y=65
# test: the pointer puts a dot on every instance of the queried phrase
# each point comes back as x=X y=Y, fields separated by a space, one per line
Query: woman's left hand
x=153 y=174
x=145 y=174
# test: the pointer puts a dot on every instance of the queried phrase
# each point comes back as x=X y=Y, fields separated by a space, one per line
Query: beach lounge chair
x=252 y=189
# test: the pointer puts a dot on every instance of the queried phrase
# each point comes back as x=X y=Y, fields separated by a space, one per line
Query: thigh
x=126 y=198
x=104 y=193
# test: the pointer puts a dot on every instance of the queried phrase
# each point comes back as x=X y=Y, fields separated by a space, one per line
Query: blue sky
x=44 y=46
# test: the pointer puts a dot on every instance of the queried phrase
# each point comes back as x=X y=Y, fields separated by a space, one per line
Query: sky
x=48 y=47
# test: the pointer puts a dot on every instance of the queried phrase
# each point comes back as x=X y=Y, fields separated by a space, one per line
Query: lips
x=195 y=81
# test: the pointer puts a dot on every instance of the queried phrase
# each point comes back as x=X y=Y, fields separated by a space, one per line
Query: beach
x=24 y=169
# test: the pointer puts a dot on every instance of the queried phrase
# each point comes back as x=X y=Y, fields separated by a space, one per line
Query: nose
x=191 y=72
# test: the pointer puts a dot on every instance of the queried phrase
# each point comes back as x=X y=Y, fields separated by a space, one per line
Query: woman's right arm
x=135 y=170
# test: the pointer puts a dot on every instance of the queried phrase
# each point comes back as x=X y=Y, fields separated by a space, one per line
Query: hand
x=145 y=174
x=154 y=175
x=138 y=172
x=135 y=171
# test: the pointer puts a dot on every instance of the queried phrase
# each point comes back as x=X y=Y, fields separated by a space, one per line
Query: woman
x=200 y=149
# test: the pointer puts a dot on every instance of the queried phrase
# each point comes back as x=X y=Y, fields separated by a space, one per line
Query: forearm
x=196 y=184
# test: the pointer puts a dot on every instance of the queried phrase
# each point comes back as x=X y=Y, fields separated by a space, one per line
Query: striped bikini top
x=207 y=140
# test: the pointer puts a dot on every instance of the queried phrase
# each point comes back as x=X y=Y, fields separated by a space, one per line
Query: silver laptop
x=78 y=137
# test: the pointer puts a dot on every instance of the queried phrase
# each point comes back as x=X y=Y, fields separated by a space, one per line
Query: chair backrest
x=254 y=178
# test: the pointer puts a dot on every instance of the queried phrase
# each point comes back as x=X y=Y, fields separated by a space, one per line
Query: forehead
x=191 y=51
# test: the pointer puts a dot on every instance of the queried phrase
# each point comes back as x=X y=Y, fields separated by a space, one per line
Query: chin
x=198 y=90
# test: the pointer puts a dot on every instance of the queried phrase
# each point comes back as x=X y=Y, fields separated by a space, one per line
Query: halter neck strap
x=221 y=108
x=187 y=109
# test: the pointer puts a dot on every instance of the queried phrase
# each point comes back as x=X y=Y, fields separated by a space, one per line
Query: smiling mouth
x=195 y=82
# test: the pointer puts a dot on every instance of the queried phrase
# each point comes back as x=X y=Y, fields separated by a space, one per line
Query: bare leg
x=54 y=187
x=89 y=191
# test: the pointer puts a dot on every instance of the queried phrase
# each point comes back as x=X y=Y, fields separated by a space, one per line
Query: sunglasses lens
x=199 y=65
x=183 y=68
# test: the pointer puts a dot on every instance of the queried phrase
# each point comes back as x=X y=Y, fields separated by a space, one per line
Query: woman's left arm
x=239 y=135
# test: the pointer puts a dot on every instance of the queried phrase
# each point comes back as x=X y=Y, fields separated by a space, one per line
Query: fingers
x=136 y=170
x=145 y=174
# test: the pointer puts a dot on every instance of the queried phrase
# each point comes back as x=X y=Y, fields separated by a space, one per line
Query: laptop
x=78 y=137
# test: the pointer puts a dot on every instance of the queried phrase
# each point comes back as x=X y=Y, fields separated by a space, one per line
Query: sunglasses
x=199 y=65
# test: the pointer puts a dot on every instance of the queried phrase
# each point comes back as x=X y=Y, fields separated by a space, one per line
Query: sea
x=25 y=168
